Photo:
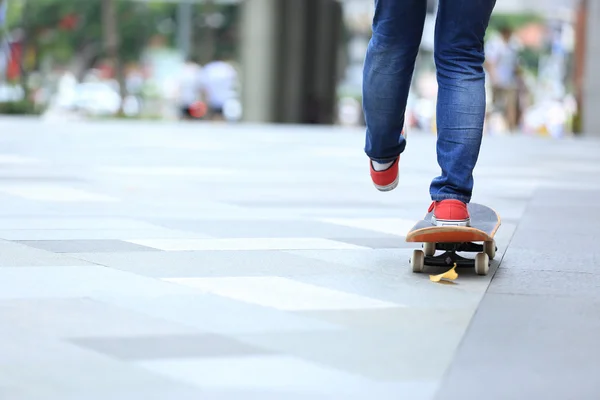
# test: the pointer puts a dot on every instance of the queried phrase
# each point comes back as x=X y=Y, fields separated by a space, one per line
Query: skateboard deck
x=484 y=224
x=453 y=239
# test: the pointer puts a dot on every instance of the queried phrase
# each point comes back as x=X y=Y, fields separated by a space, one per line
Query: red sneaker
x=450 y=213
x=386 y=180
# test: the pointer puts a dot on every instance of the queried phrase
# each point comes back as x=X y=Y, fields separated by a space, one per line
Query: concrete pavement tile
x=39 y=366
x=555 y=240
x=283 y=293
x=18 y=255
x=324 y=214
x=152 y=347
x=88 y=281
x=317 y=202
x=237 y=244
x=427 y=320
x=54 y=192
x=406 y=288
x=391 y=226
x=86 y=246
x=397 y=242
x=401 y=355
x=577 y=219
x=567 y=199
x=82 y=317
x=212 y=263
x=549 y=258
x=100 y=234
x=546 y=283
x=146 y=393
x=414 y=391
x=265 y=229
x=498 y=187
x=282 y=374
x=390 y=261
x=204 y=393
x=64 y=222
x=232 y=316
x=575 y=224
x=527 y=347
x=542 y=212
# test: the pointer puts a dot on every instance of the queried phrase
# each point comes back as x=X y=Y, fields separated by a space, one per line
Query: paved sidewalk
x=161 y=261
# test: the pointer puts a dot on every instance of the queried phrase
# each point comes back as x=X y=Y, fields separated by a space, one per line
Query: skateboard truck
x=449 y=257
x=460 y=247
x=426 y=257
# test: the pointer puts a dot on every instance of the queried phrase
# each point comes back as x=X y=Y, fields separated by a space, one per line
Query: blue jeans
x=459 y=56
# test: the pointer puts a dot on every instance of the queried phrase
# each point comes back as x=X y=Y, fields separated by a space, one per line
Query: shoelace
x=431 y=207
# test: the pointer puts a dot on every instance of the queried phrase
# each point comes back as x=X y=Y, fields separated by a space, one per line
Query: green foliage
x=138 y=22
x=529 y=59
x=23 y=107
x=41 y=22
x=513 y=21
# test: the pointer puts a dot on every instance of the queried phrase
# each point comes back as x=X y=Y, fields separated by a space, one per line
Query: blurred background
x=280 y=61
x=187 y=212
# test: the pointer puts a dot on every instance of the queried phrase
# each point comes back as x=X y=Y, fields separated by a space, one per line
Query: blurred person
x=219 y=80
x=459 y=56
x=66 y=93
x=502 y=65
x=190 y=89
x=134 y=80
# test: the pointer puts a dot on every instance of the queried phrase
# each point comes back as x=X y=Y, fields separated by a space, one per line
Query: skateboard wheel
x=418 y=261
x=429 y=249
x=482 y=264
x=490 y=249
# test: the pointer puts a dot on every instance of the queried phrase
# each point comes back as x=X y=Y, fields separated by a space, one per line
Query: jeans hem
x=383 y=160
x=448 y=196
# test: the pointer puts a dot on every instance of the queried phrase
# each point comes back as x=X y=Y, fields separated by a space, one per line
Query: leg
x=459 y=56
x=389 y=66
x=512 y=109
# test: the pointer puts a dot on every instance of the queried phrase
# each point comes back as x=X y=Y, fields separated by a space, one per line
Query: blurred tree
x=215 y=31
x=80 y=34
x=513 y=21
x=72 y=31
x=110 y=33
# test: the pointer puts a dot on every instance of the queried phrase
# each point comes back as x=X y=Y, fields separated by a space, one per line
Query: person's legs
x=512 y=117
x=459 y=56
x=185 y=112
x=216 y=113
x=388 y=71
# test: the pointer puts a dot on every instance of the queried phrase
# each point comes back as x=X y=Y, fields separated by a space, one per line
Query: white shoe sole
x=445 y=222
x=389 y=187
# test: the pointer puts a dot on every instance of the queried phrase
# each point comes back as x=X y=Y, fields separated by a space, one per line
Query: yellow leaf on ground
x=450 y=275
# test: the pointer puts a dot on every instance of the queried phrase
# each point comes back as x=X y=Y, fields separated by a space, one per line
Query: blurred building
x=289 y=60
x=590 y=58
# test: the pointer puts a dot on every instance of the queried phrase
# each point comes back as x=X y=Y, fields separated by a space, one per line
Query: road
x=185 y=261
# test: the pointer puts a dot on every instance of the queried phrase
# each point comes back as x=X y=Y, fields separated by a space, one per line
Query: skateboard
x=455 y=239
